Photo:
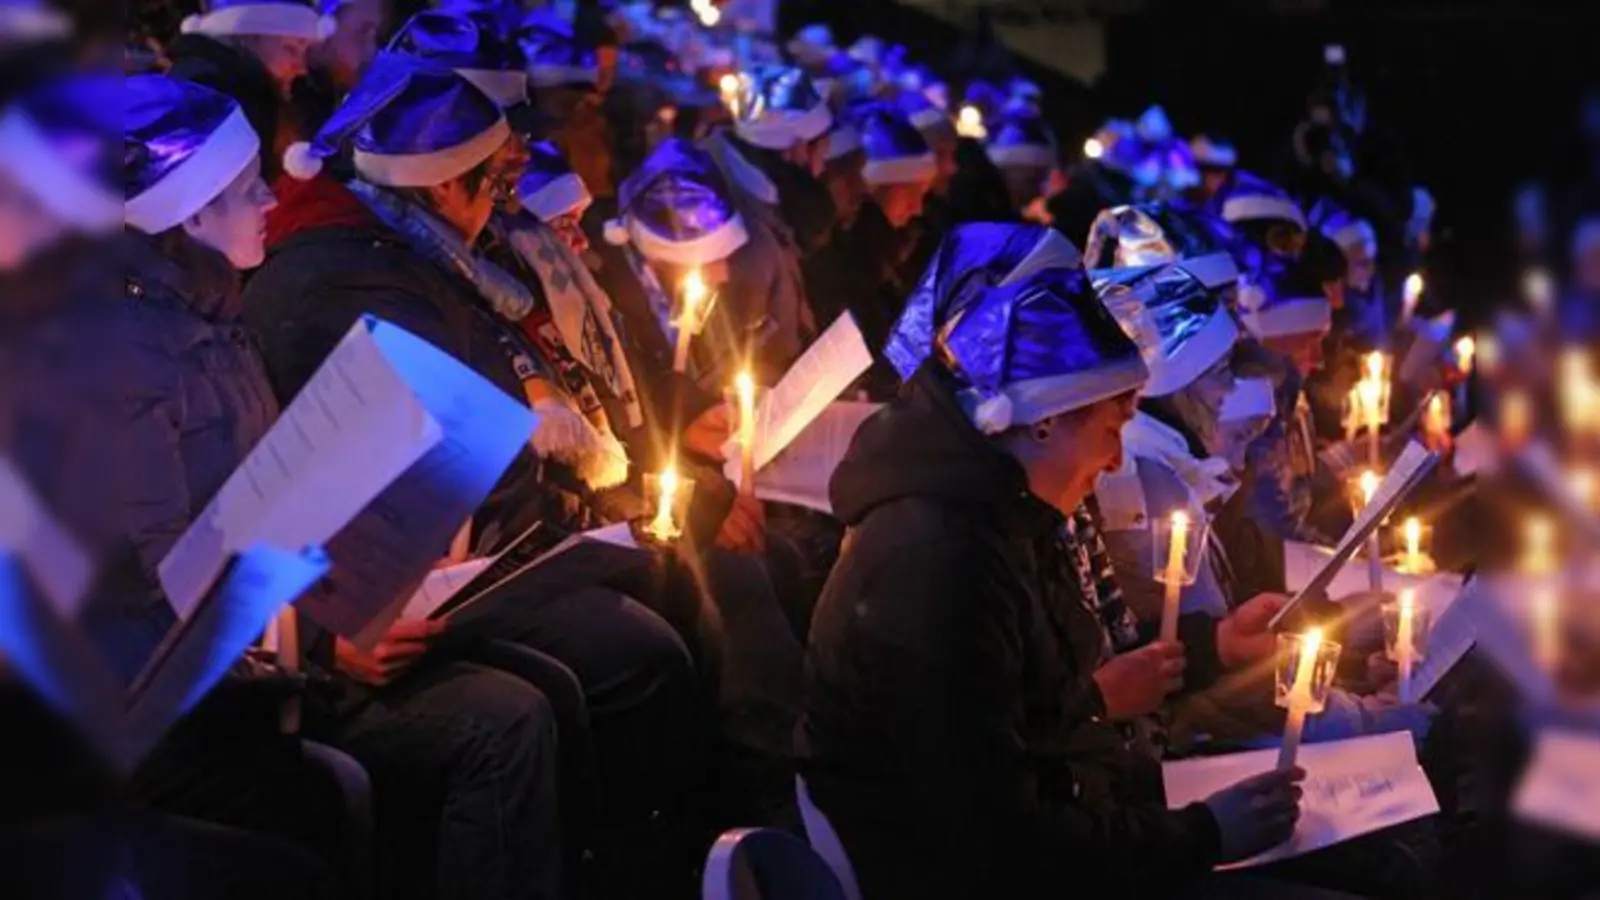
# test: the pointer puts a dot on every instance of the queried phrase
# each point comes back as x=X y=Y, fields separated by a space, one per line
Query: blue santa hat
x=1035 y=349
x=897 y=153
x=27 y=21
x=923 y=113
x=469 y=47
x=276 y=18
x=556 y=57
x=500 y=16
x=779 y=107
x=549 y=188
x=1156 y=233
x=868 y=50
x=1183 y=329
x=183 y=145
x=1021 y=139
x=1344 y=228
x=60 y=142
x=812 y=45
x=843 y=140
x=1213 y=153
x=1278 y=301
x=410 y=123
x=987 y=99
x=676 y=208
x=1251 y=198
x=971 y=260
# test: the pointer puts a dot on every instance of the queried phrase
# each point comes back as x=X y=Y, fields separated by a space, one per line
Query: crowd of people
x=608 y=212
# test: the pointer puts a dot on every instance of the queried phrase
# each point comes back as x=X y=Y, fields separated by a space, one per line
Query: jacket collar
x=191 y=277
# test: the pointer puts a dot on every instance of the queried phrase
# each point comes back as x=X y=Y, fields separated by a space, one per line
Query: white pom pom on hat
x=994 y=414
x=300 y=163
x=615 y=232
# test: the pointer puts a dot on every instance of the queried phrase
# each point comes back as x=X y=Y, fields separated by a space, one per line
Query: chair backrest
x=825 y=841
x=766 y=864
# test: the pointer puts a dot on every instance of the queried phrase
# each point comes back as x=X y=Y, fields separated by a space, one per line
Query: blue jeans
x=474 y=750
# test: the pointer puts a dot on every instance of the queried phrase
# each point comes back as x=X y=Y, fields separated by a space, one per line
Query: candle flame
x=1369 y=482
x=1413 y=533
x=1375 y=366
x=1466 y=348
x=1413 y=288
x=1408 y=603
x=1093 y=149
x=662 y=526
x=729 y=84
x=694 y=294
x=1180 y=522
x=1539 y=545
x=1311 y=645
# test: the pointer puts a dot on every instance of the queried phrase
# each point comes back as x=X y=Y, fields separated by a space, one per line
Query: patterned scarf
x=1090 y=559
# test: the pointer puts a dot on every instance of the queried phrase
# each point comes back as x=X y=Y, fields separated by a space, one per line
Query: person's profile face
x=235 y=222
x=350 y=50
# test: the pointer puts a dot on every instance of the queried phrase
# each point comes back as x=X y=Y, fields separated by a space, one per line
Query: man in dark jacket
x=958 y=726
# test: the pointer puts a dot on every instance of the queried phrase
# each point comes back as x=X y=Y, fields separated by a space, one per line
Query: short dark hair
x=473 y=180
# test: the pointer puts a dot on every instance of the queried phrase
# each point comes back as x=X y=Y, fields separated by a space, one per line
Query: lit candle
x=1300 y=697
x=1093 y=149
x=1374 y=396
x=728 y=87
x=693 y=294
x=969 y=123
x=1538 y=548
x=1582 y=482
x=1354 y=412
x=1369 y=482
x=1404 y=641
x=1515 y=418
x=1547 y=629
x=1488 y=354
x=1415 y=562
x=1412 y=296
x=1577 y=391
x=745 y=386
x=288 y=629
x=1466 y=349
x=1177 y=548
x=1438 y=419
x=1540 y=291
x=663 y=528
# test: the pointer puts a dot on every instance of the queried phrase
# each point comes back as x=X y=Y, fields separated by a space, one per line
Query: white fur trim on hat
x=558 y=197
x=924 y=119
x=198 y=180
x=555 y=76
x=843 y=140
x=1355 y=234
x=903 y=170
x=1213 y=270
x=1262 y=206
x=274 y=19
x=708 y=248
x=37 y=167
x=781 y=131
x=33 y=23
x=503 y=87
x=429 y=169
x=1035 y=400
x=1196 y=356
x=1251 y=398
x=1301 y=315
x=1030 y=155
x=1213 y=155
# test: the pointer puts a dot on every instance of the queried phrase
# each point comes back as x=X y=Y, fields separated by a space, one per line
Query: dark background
x=1483 y=96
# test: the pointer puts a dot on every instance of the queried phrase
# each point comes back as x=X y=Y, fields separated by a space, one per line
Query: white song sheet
x=800 y=474
x=816 y=379
x=1353 y=787
x=389 y=446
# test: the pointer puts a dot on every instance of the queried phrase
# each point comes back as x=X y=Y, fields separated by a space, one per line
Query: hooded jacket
x=952 y=732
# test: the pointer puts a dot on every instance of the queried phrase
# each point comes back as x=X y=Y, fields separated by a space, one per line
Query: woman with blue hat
x=572 y=70
x=967 y=632
x=471 y=49
x=1025 y=150
x=433 y=157
x=1265 y=214
x=253 y=51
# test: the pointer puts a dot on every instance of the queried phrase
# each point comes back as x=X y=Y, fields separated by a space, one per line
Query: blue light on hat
x=812 y=45
x=1158 y=233
x=411 y=124
x=1251 y=198
x=556 y=58
x=970 y=260
x=779 y=107
x=1021 y=139
x=32 y=20
x=1183 y=328
x=275 y=18
x=61 y=142
x=1277 y=301
x=675 y=208
x=897 y=153
x=183 y=145
x=1038 y=348
x=469 y=47
x=549 y=188
x=922 y=112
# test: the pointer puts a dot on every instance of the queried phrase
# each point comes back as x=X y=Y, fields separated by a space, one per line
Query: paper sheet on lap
x=388 y=447
x=1353 y=787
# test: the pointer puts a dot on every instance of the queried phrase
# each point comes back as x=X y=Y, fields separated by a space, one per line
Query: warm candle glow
x=694 y=294
x=1413 y=289
x=1368 y=483
x=728 y=86
x=1488 y=353
x=969 y=123
x=662 y=527
x=1177 y=548
x=1578 y=390
x=1375 y=365
x=1538 y=546
x=1305 y=671
x=1582 y=483
x=1539 y=289
x=1466 y=349
x=1093 y=149
x=1413 y=535
x=1547 y=629
x=1404 y=642
x=1516 y=417
x=744 y=386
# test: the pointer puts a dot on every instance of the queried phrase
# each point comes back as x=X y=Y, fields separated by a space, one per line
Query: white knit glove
x=566 y=437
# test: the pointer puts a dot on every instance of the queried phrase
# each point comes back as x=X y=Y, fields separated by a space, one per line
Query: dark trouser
x=485 y=742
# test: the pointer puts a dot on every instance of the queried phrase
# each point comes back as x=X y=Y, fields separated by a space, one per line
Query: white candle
x=288 y=623
x=728 y=87
x=1538 y=548
x=1300 y=698
x=1415 y=561
x=745 y=386
x=1177 y=547
x=693 y=292
x=1437 y=423
x=1404 y=642
x=1412 y=296
x=1547 y=629
x=662 y=527
x=1369 y=488
x=1466 y=350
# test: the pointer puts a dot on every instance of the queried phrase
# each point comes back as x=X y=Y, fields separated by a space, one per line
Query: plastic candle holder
x=1191 y=532
x=1322 y=672
x=1421 y=627
x=669 y=495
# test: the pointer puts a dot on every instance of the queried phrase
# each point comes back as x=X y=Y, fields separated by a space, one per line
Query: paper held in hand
x=389 y=446
x=801 y=472
x=817 y=378
x=1353 y=787
x=1409 y=470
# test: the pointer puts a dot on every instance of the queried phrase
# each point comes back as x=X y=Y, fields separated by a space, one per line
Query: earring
x=1041 y=433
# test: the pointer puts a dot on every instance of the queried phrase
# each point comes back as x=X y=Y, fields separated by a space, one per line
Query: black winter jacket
x=952 y=732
